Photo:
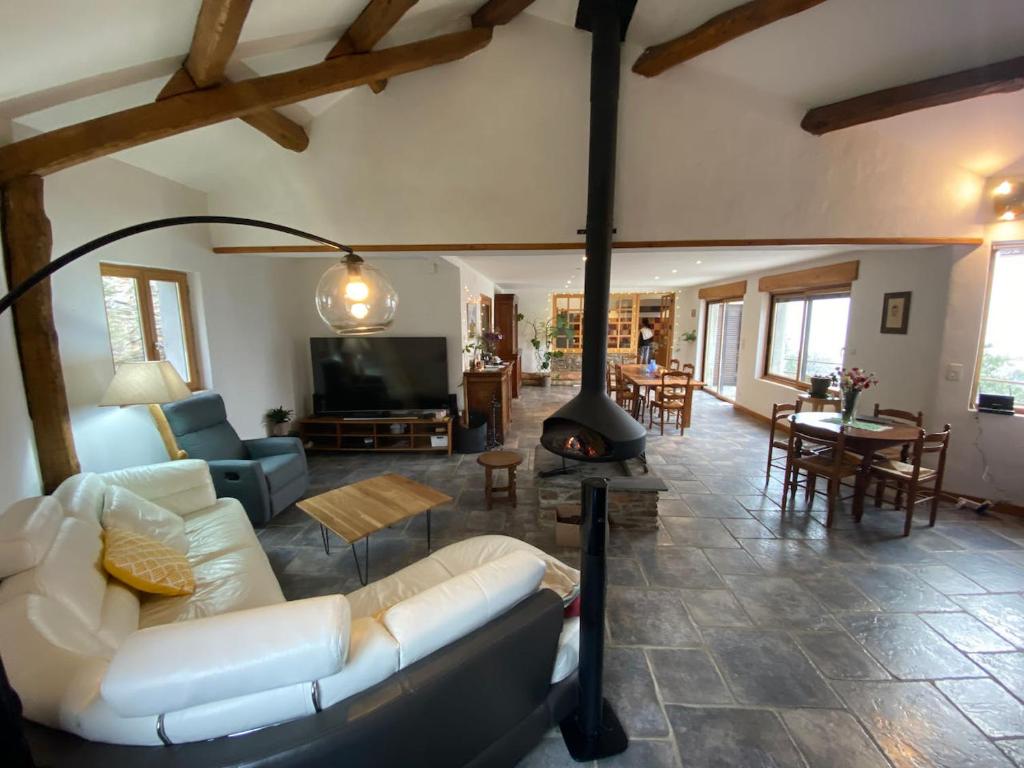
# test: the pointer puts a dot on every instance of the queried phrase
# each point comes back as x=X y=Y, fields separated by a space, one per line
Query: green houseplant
x=276 y=420
x=544 y=333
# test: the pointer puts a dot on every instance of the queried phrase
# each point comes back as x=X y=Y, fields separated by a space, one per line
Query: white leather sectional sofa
x=90 y=657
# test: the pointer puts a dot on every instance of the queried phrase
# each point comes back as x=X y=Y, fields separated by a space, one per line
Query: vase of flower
x=851 y=383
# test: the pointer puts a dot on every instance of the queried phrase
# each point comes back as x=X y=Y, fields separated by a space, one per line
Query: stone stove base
x=636 y=510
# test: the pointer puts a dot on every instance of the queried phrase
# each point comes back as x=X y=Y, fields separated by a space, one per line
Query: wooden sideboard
x=506 y=320
x=483 y=387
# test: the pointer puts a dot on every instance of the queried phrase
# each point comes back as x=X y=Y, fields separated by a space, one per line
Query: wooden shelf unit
x=336 y=433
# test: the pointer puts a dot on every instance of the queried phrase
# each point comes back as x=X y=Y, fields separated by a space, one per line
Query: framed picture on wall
x=896 y=312
x=485 y=313
x=472 y=319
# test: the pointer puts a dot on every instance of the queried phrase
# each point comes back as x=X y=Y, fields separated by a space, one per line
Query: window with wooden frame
x=149 y=317
x=806 y=334
x=623 y=315
x=1000 y=368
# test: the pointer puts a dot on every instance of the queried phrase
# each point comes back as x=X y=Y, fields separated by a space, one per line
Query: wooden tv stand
x=336 y=433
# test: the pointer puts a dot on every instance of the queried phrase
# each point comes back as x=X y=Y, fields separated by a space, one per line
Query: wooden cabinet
x=332 y=433
x=482 y=388
x=506 y=320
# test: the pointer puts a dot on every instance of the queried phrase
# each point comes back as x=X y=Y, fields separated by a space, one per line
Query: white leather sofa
x=88 y=656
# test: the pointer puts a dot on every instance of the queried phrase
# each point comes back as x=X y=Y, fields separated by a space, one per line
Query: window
x=1001 y=362
x=807 y=335
x=722 y=321
x=623 y=321
x=149 y=317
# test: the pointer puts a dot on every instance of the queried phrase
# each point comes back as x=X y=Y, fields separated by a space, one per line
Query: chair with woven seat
x=671 y=397
x=917 y=482
x=896 y=452
x=626 y=394
x=617 y=389
x=780 y=412
x=817 y=456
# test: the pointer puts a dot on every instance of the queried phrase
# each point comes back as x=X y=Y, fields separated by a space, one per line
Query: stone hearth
x=635 y=509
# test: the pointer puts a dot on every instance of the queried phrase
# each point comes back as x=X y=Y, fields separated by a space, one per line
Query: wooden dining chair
x=671 y=397
x=817 y=456
x=673 y=364
x=626 y=395
x=918 y=483
x=617 y=389
x=896 y=452
x=688 y=369
x=780 y=414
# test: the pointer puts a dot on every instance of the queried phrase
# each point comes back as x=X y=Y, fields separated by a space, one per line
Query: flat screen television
x=380 y=374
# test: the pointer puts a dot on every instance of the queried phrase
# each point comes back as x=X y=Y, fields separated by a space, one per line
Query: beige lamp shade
x=144 y=384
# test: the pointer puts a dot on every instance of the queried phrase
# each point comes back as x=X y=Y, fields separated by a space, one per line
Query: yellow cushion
x=146 y=564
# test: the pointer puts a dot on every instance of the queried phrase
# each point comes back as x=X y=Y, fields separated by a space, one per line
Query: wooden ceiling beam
x=74 y=144
x=717 y=31
x=218 y=27
x=1001 y=77
x=495 y=13
x=375 y=21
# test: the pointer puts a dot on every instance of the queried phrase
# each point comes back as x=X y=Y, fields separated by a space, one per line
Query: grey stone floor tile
x=732 y=738
x=987 y=704
x=840 y=657
x=917 y=727
x=831 y=739
x=896 y=589
x=628 y=685
x=966 y=632
x=767 y=668
x=715 y=608
x=550 y=753
x=729 y=484
x=625 y=572
x=777 y=601
x=649 y=617
x=784 y=557
x=973 y=536
x=644 y=753
x=1007 y=668
x=674 y=508
x=757 y=502
x=1013 y=749
x=732 y=562
x=836 y=591
x=990 y=571
x=698 y=532
x=747 y=529
x=1003 y=613
x=908 y=647
x=945 y=579
x=687 y=676
x=679 y=567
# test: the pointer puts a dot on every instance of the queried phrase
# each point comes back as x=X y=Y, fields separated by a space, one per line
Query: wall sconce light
x=1008 y=200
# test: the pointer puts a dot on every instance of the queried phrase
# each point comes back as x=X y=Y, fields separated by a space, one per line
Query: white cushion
x=71 y=573
x=445 y=612
x=232 y=582
x=217 y=530
x=129 y=511
x=120 y=615
x=372 y=657
x=568 y=656
x=27 y=529
x=81 y=496
x=240 y=714
x=374 y=599
x=186 y=664
x=182 y=487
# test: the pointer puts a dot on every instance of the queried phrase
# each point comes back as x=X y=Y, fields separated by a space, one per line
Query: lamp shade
x=144 y=384
x=356 y=299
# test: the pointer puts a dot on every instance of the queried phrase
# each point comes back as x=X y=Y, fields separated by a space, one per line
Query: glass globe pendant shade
x=355 y=299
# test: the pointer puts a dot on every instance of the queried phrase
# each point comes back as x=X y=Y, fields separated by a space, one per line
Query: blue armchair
x=267 y=474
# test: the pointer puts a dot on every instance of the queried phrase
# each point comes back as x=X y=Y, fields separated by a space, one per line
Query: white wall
x=234 y=298
x=430 y=303
x=472 y=285
x=493 y=149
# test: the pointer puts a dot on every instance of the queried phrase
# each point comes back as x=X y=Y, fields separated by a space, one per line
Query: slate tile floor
x=739 y=636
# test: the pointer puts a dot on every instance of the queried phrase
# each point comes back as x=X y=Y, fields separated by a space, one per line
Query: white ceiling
x=55 y=52
x=642 y=270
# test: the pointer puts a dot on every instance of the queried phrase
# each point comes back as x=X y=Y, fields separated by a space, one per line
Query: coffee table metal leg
x=364 y=573
x=323 y=537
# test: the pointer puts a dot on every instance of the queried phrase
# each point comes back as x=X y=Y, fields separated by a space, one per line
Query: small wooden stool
x=493 y=460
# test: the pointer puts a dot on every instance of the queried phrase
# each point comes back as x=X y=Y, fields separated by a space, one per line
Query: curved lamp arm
x=59 y=263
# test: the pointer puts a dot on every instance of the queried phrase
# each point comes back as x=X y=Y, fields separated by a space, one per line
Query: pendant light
x=355 y=299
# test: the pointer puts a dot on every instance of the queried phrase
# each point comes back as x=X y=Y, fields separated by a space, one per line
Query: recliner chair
x=266 y=474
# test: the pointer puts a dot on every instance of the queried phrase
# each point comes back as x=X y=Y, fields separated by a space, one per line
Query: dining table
x=640 y=377
x=864 y=436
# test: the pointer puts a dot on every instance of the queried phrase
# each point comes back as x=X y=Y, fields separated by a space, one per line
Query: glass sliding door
x=722 y=346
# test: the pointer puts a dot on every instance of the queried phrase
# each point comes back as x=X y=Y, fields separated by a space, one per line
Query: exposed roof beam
x=74 y=144
x=375 y=21
x=494 y=13
x=723 y=28
x=1001 y=77
x=218 y=27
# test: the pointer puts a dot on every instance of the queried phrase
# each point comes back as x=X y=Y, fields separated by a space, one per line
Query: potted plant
x=851 y=383
x=689 y=335
x=276 y=420
x=820 y=385
x=544 y=332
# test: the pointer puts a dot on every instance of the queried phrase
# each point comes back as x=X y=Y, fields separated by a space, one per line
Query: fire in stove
x=584 y=447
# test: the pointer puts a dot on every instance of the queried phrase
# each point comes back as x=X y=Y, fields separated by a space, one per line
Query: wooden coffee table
x=358 y=510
